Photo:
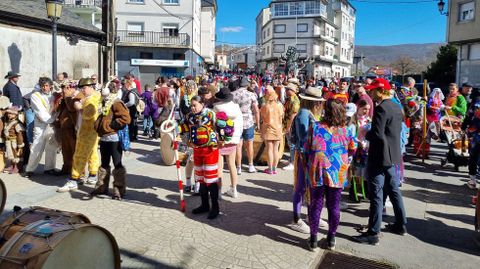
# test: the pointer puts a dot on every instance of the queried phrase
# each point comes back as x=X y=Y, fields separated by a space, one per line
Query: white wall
x=29 y=51
x=208 y=21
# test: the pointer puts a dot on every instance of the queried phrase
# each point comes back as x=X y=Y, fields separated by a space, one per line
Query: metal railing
x=153 y=38
x=83 y=3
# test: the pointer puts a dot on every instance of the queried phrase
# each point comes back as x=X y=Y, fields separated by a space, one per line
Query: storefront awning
x=165 y=63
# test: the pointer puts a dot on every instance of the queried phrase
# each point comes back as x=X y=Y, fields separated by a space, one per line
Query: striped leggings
x=205 y=161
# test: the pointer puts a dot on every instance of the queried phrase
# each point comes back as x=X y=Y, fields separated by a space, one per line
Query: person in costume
x=87 y=138
x=114 y=117
x=455 y=105
x=311 y=104
x=14 y=133
x=42 y=104
x=200 y=124
x=67 y=120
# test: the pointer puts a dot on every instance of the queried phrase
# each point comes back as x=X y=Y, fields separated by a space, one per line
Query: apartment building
x=464 y=31
x=242 y=58
x=89 y=10
x=322 y=32
x=165 y=37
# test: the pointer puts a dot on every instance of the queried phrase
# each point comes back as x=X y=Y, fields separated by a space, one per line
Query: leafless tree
x=405 y=65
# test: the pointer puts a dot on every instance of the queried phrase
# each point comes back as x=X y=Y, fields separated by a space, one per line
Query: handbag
x=124 y=138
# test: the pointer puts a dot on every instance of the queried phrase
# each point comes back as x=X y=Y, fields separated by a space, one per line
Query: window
x=280 y=9
x=170 y=29
x=297 y=8
x=268 y=32
x=136 y=1
x=268 y=50
x=467 y=11
x=279 y=48
x=279 y=28
x=264 y=34
x=312 y=7
x=171 y=2
x=302 y=27
x=146 y=55
x=474 y=52
x=135 y=28
x=302 y=48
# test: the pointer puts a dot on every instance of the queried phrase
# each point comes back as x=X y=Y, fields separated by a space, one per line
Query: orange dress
x=271 y=115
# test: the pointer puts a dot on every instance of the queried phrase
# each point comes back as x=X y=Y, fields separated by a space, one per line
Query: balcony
x=326 y=37
x=152 y=39
x=87 y=4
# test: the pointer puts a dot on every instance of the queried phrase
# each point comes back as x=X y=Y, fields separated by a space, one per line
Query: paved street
x=252 y=231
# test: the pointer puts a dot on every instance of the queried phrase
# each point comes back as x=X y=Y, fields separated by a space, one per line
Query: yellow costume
x=87 y=139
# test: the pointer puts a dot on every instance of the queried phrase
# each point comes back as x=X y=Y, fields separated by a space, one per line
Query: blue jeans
x=383 y=180
x=291 y=146
x=29 y=118
x=148 y=125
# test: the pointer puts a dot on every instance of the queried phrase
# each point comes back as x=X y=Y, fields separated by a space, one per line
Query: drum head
x=88 y=246
x=3 y=195
x=168 y=154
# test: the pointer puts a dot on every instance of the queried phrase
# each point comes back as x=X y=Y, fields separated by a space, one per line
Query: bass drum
x=21 y=218
x=260 y=150
x=50 y=245
x=166 y=148
x=3 y=189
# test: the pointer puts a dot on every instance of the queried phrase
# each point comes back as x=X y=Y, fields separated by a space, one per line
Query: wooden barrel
x=260 y=150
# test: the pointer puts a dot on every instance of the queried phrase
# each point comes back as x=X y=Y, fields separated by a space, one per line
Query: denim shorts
x=248 y=134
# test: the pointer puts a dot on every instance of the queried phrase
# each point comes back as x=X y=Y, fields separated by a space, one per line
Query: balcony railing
x=84 y=3
x=152 y=38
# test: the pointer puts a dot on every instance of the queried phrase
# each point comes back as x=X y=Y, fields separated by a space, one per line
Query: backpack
x=139 y=103
x=124 y=138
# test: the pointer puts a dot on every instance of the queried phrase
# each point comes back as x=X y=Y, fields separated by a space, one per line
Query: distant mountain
x=423 y=54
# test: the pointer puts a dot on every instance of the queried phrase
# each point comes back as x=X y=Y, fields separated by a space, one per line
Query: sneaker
x=27 y=174
x=472 y=184
x=301 y=227
x=91 y=180
x=289 y=167
x=268 y=171
x=367 y=238
x=252 y=169
x=187 y=189
x=232 y=193
x=312 y=244
x=393 y=228
x=71 y=185
x=323 y=224
x=274 y=172
x=239 y=171
x=331 y=242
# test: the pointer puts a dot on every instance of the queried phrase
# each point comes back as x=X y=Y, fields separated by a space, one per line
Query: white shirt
x=42 y=106
x=234 y=113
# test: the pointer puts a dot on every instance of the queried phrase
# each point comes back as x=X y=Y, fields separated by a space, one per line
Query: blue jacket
x=12 y=91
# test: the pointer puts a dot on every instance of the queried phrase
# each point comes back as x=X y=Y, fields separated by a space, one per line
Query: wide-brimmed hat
x=12 y=74
x=13 y=110
x=312 y=94
x=224 y=95
x=294 y=81
x=292 y=86
x=86 y=82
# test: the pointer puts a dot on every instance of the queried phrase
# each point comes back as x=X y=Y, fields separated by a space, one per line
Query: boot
x=14 y=169
x=205 y=207
x=213 y=190
x=119 y=183
x=101 y=187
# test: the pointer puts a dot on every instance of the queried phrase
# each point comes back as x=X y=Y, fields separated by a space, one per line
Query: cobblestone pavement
x=252 y=231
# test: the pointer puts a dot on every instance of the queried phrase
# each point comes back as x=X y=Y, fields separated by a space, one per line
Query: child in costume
x=14 y=132
x=434 y=107
x=200 y=124
x=363 y=123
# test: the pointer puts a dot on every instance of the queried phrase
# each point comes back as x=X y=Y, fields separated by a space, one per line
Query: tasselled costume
x=13 y=132
x=87 y=138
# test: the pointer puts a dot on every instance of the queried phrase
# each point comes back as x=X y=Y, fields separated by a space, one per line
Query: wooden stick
x=424 y=121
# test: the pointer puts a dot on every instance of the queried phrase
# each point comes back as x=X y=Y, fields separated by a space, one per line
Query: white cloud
x=231 y=29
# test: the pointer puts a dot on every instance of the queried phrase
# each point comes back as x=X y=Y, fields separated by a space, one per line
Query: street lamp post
x=54 y=12
x=441 y=7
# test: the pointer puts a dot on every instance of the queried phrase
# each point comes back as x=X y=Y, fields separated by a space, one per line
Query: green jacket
x=460 y=108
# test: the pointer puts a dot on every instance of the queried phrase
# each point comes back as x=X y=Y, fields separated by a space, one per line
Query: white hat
x=351 y=109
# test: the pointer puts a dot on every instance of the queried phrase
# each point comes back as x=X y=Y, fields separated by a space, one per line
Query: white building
x=89 y=10
x=322 y=32
x=242 y=58
x=164 y=37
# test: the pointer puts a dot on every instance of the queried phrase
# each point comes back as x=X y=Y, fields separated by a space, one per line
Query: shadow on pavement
x=467 y=219
x=145 y=261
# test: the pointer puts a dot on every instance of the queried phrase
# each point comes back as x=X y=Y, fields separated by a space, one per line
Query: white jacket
x=234 y=113
x=42 y=106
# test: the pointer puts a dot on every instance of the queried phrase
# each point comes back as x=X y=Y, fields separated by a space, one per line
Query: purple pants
x=300 y=188
x=333 y=197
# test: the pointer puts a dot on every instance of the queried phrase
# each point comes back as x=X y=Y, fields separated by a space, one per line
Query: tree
x=404 y=65
x=443 y=70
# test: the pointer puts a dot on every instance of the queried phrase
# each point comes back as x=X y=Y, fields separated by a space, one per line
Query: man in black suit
x=384 y=155
x=12 y=91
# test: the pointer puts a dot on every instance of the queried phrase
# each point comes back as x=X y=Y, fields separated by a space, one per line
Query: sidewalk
x=252 y=231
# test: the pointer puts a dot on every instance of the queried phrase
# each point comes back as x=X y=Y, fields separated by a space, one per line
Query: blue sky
x=377 y=23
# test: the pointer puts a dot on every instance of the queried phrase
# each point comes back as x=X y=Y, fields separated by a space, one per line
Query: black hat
x=12 y=74
x=224 y=95
x=467 y=84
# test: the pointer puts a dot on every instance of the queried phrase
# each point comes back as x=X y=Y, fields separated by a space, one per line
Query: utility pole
x=108 y=46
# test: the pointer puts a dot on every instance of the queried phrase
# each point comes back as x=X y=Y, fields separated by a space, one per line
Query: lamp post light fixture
x=441 y=7
x=54 y=12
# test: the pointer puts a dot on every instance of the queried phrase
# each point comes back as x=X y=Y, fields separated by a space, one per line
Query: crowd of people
x=340 y=133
